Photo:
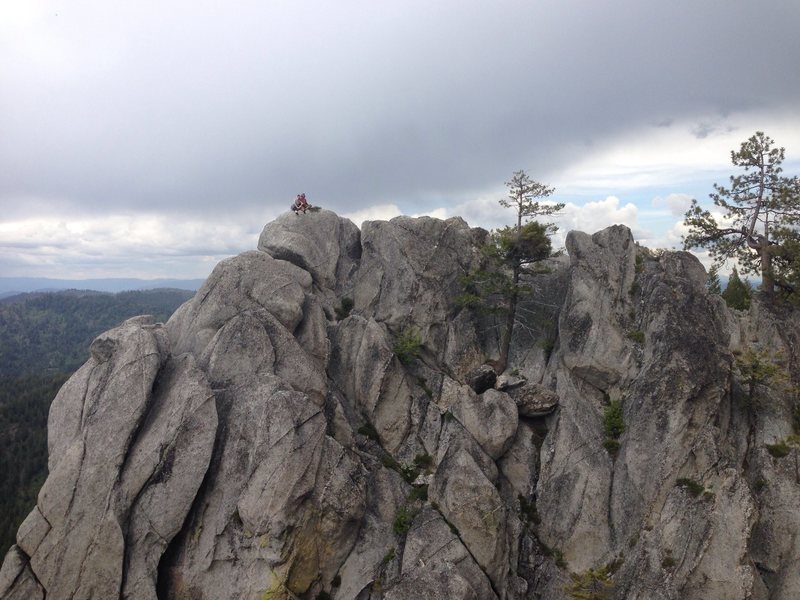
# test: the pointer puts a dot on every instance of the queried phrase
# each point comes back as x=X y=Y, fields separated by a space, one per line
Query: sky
x=153 y=139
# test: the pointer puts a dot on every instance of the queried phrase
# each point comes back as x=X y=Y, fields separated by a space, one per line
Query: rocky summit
x=322 y=420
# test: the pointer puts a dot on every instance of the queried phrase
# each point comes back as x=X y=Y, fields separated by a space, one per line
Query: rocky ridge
x=273 y=440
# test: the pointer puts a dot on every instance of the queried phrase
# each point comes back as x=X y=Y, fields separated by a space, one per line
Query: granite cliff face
x=269 y=441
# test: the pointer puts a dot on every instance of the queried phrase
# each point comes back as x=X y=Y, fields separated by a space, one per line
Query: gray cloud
x=203 y=109
x=706 y=128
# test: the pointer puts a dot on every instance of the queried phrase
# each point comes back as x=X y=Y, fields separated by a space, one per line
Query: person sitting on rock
x=300 y=204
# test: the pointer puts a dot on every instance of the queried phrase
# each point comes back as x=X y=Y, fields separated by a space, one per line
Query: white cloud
x=382 y=212
x=436 y=213
x=673 y=237
x=589 y=217
x=386 y=212
x=597 y=215
x=485 y=211
x=658 y=156
x=209 y=130
x=678 y=204
x=119 y=245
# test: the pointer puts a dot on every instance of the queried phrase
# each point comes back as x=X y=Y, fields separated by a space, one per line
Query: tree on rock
x=509 y=252
x=713 y=284
x=737 y=293
x=522 y=197
x=760 y=217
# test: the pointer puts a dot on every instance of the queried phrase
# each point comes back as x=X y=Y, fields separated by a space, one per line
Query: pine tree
x=737 y=293
x=497 y=287
x=712 y=283
x=761 y=209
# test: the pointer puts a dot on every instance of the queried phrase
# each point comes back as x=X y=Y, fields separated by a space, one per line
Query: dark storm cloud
x=190 y=107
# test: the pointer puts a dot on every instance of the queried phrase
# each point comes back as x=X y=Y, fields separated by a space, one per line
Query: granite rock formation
x=273 y=440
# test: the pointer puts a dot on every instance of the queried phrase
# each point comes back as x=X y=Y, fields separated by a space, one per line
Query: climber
x=300 y=204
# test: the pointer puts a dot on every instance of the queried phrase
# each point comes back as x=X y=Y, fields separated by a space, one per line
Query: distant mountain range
x=10 y=286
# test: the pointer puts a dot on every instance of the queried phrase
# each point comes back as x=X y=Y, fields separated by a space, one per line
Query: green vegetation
x=613 y=426
x=368 y=430
x=638 y=263
x=389 y=556
x=390 y=462
x=50 y=333
x=420 y=493
x=713 y=284
x=590 y=585
x=637 y=335
x=527 y=510
x=407 y=345
x=761 y=214
x=24 y=404
x=496 y=288
x=403 y=519
x=668 y=562
x=737 y=294
x=343 y=311
x=691 y=486
x=614 y=566
x=423 y=383
x=547 y=345
x=758 y=368
x=44 y=337
x=408 y=472
x=558 y=556
x=423 y=461
x=779 y=450
x=613 y=420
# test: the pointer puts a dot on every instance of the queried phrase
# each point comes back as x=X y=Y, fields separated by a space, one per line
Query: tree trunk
x=508 y=330
x=767 y=279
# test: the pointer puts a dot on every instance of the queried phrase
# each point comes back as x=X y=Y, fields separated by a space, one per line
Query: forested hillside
x=44 y=337
x=51 y=332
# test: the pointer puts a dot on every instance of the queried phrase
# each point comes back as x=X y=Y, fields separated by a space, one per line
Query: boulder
x=533 y=399
x=481 y=379
x=386 y=494
x=507 y=382
x=432 y=547
x=433 y=584
x=17 y=581
x=320 y=242
x=602 y=273
x=371 y=379
x=253 y=347
x=410 y=272
x=520 y=465
x=251 y=281
x=131 y=429
x=490 y=418
x=278 y=482
x=472 y=504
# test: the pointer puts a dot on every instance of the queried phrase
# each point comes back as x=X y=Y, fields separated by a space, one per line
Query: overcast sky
x=152 y=139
